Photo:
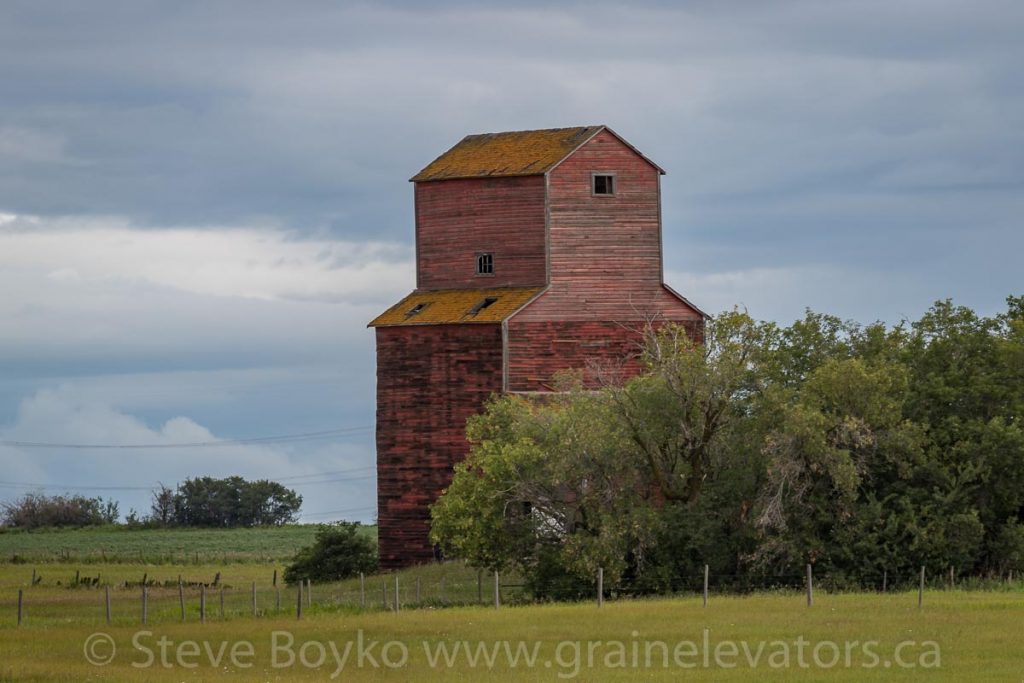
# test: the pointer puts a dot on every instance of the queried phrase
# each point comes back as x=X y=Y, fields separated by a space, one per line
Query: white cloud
x=783 y=294
x=250 y=263
x=67 y=415
x=101 y=290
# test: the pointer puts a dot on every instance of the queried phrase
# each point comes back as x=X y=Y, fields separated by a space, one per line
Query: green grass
x=977 y=635
x=977 y=631
x=156 y=546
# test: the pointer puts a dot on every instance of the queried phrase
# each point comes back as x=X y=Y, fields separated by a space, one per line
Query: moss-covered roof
x=517 y=153
x=451 y=306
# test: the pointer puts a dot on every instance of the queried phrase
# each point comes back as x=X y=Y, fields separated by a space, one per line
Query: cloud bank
x=201 y=204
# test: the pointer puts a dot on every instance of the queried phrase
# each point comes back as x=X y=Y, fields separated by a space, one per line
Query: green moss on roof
x=453 y=306
x=517 y=153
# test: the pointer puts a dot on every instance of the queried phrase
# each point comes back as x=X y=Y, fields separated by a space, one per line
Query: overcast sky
x=202 y=204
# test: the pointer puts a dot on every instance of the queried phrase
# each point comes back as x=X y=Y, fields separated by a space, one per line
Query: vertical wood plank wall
x=430 y=379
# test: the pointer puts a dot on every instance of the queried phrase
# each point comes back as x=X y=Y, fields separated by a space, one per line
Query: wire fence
x=148 y=601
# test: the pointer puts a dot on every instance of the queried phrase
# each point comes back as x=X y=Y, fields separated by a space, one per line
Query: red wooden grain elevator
x=536 y=251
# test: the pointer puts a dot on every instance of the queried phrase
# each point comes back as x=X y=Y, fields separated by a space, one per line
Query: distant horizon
x=201 y=206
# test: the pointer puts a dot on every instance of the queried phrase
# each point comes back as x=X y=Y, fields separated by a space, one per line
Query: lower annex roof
x=456 y=306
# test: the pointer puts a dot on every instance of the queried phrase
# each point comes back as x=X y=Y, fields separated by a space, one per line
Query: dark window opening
x=485 y=264
x=487 y=301
x=418 y=308
x=604 y=184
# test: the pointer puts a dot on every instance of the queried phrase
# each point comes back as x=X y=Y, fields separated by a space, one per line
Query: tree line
x=199 y=502
x=860 y=449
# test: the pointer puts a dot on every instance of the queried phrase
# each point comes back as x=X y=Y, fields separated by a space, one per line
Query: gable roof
x=452 y=306
x=514 y=153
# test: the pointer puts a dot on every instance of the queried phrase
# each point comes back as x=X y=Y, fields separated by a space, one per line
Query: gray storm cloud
x=199 y=195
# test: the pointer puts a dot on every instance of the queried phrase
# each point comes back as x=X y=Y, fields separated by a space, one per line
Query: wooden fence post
x=398 y=601
x=181 y=598
x=920 y=590
x=145 y=605
x=362 y=590
x=480 y=586
x=33 y=577
x=202 y=603
x=254 y=611
x=107 y=600
x=384 y=594
x=600 y=586
x=275 y=578
x=706 y=571
x=810 y=586
x=21 y=604
x=885 y=579
x=497 y=590
x=298 y=602
x=952 y=579
x=309 y=593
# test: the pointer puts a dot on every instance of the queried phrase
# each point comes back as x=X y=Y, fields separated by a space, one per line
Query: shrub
x=340 y=551
x=35 y=511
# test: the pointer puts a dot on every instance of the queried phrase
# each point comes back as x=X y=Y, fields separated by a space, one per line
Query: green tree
x=679 y=413
x=229 y=502
x=339 y=551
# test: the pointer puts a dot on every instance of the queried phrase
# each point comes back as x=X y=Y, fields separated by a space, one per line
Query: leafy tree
x=339 y=551
x=583 y=479
x=35 y=510
x=162 y=507
x=510 y=503
x=678 y=413
x=820 y=452
x=861 y=449
x=229 y=502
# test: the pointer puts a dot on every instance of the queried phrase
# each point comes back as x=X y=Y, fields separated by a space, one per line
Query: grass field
x=958 y=635
x=156 y=546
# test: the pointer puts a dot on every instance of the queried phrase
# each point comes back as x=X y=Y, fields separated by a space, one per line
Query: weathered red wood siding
x=606 y=274
x=456 y=219
x=605 y=351
x=430 y=380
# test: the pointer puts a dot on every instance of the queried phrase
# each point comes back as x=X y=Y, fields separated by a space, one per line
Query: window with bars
x=485 y=264
x=603 y=184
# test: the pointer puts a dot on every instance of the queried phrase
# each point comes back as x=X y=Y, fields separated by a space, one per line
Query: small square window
x=604 y=184
x=485 y=264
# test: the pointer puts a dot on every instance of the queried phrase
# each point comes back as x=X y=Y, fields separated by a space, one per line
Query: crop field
x=217 y=627
x=156 y=546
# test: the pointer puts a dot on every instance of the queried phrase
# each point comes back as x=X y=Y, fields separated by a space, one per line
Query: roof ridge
x=507 y=153
x=535 y=130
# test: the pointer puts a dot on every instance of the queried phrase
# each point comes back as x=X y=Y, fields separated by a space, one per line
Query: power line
x=337 y=512
x=333 y=481
x=285 y=438
x=26 y=485
x=29 y=485
x=324 y=474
